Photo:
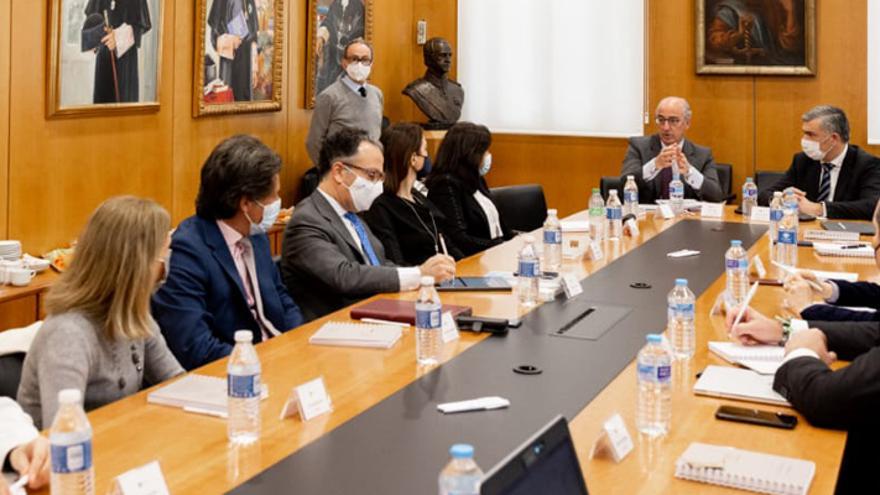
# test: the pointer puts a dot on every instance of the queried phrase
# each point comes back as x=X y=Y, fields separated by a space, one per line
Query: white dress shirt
x=409 y=277
x=799 y=326
x=491 y=214
x=16 y=427
x=693 y=177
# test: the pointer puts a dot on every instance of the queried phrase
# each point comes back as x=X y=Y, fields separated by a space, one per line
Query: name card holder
x=759 y=266
x=309 y=400
x=596 y=251
x=449 y=328
x=614 y=442
x=571 y=285
x=631 y=227
x=712 y=210
x=666 y=211
x=144 y=480
x=760 y=214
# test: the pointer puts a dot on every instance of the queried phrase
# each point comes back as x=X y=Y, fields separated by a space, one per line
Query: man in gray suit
x=656 y=160
x=330 y=258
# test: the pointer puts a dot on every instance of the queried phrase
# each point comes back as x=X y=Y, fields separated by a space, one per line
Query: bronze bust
x=437 y=96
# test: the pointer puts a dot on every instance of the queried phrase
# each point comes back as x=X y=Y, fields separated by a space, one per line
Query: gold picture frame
x=322 y=64
x=231 y=83
x=756 y=37
x=83 y=79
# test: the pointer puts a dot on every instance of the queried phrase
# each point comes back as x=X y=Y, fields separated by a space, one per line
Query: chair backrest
x=522 y=208
x=10 y=373
x=608 y=183
x=309 y=183
x=766 y=179
x=725 y=176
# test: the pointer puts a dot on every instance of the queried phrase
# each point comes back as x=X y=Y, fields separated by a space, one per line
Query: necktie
x=825 y=182
x=665 y=179
x=363 y=91
x=362 y=235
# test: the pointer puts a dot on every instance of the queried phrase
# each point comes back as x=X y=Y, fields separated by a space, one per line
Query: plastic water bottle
x=680 y=320
x=736 y=265
x=70 y=440
x=776 y=211
x=785 y=251
x=654 y=409
x=552 y=242
x=789 y=198
x=597 y=216
x=614 y=213
x=750 y=197
x=676 y=196
x=428 y=324
x=630 y=197
x=528 y=273
x=243 y=390
x=461 y=476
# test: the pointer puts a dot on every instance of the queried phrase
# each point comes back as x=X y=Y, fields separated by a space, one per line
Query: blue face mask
x=270 y=214
x=486 y=166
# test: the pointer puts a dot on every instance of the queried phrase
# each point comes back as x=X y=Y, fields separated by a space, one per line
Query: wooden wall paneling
x=5 y=12
x=394 y=40
x=18 y=313
x=61 y=169
x=194 y=138
x=298 y=117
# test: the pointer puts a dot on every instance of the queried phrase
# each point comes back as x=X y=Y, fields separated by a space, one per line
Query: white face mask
x=358 y=71
x=270 y=214
x=487 y=164
x=813 y=149
x=364 y=192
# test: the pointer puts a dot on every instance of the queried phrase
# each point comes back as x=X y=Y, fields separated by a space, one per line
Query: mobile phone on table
x=756 y=417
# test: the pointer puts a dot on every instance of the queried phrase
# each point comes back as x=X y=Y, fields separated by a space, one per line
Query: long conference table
x=386 y=436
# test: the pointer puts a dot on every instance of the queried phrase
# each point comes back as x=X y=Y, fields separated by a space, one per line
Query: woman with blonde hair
x=99 y=336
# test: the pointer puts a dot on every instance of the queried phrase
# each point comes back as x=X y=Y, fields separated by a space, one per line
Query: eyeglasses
x=372 y=175
x=362 y=60
x=672 y=121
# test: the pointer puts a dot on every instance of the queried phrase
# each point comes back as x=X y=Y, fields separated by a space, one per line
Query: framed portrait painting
x=239 y=56
x=104 y=56
x=762 y=37
x=332 y=24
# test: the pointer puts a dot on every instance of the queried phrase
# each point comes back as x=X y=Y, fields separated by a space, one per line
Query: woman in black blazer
x=457 y=187
x=410 y=227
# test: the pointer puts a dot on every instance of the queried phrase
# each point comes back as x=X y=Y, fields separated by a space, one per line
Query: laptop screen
x=546 y=463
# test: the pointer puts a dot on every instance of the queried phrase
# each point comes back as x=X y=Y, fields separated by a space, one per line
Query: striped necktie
x=825 y=182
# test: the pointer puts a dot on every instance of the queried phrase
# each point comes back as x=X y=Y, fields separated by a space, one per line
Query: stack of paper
x=357 y=335
x=765 y=359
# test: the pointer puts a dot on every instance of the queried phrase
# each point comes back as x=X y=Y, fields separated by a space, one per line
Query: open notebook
x=357 y=335
x=765 y=359
x=745 y=470
x=738 y=384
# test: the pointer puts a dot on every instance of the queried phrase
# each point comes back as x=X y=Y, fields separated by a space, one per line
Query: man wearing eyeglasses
x=330 y=259
x=656 y=160
x=349 y=102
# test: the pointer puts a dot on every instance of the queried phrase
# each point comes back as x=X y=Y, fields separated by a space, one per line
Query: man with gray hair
x=657 y=159
x=831 y=178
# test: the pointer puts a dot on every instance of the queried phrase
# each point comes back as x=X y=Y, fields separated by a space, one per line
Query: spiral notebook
x=745 y=470
x=830 y=235
x=765 y=359
x=357 y=335
x=830 y=249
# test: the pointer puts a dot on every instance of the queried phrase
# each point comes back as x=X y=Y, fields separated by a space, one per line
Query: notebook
x=863 y=228
x=197 y=393
x=765 y=359
x=745 y=470
x=738 y=384
x=847 y=276
x=356 y=335
x=830 y=235
x=831 y=249
x=400 y=311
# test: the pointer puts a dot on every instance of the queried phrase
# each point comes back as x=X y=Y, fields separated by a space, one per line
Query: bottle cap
x=630 y=177
x=681 y=281
x=244 y=336
x=596 y=190
x=427 y=281
x=461 y=451
x=612 y=191
x=777 y=194
x=748 y=179
x=551 y=211
x=654 y=338
x=736 y=243
x=529 y=238
x=70 y=396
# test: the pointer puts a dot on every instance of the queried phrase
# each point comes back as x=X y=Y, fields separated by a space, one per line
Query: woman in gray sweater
x=99 y=336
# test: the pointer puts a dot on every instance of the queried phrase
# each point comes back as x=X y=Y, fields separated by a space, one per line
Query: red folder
x=399 y=311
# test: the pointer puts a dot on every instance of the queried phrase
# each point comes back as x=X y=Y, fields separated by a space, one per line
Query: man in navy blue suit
x=221 y=275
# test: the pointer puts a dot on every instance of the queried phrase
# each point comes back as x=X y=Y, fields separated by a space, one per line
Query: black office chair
x=10 y=374
x=766 y=179
x=308 y=184
x=522 y=208
x=608 y=183
x=725 y=175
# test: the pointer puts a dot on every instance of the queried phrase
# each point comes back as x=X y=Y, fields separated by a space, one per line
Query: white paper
x=124 y=36
x=145 y=480
x=480 y=404
x=759 y=266
x=571 y=285
x=312 y=399
x=683 y=253
x=450 y=329
x=619 y=440
x=760 y=214
x=712 y=210
x=575 y=225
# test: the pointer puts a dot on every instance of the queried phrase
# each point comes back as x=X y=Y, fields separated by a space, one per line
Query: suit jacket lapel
x=329 y=214
x=844 y=176
x=219 y=249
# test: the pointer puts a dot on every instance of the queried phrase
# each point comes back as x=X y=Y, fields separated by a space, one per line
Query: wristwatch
x=786 y=330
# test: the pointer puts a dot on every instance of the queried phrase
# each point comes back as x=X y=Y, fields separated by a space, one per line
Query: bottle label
x=631 y=196
x=597 y=211
x=428 y=318
x=676 y=190
x=664 y=374
x=73 y=458
x=737 y=264
x=552 y=237
x=614 y=213
x=528 y=269
x=655 y=374
x=775 y=215
x=685 y=310
x=243 y=386
x=786 y=236
x=750 y=192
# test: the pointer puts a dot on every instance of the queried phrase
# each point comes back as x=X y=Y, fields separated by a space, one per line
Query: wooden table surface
x=195 y=458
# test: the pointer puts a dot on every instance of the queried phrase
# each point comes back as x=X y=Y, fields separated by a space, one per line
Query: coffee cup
x=20 y=277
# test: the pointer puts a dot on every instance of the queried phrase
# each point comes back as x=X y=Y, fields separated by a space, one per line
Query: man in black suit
x=831 y=177
x=655 y=160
